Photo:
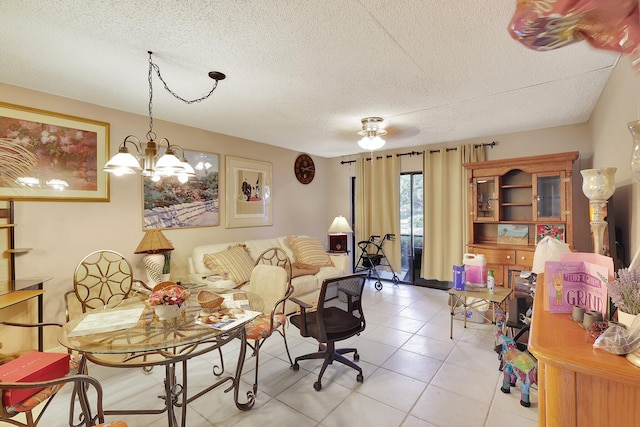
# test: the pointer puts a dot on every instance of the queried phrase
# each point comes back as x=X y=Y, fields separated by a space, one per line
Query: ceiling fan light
x=371 y=143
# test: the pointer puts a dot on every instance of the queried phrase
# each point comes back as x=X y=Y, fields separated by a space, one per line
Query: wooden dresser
x=577 y=384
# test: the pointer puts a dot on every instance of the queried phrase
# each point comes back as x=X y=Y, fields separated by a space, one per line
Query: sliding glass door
x=411 y=225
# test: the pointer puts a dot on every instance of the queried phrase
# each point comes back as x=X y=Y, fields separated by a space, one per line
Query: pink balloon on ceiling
x=550 y=24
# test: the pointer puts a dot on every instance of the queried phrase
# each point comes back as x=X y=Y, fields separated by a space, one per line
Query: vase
x=634 y=128
x=166 y=312
x=153 y=264
x=626 y=318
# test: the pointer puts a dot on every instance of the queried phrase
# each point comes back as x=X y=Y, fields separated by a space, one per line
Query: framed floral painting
x=52 y=156
x=556 y=231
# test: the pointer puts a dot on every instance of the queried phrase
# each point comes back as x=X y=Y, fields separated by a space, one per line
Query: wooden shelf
x=508 y=186
x=18 y=250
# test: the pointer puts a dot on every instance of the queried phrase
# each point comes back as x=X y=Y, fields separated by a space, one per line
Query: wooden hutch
x=509 y=199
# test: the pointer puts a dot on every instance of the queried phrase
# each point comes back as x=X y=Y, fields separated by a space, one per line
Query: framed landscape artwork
x=513 y=234
x=248 y=193
x=51 y=156
x=169 y=203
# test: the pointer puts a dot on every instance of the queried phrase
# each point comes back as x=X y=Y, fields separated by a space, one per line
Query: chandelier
x=149 y=161
x=371 y=133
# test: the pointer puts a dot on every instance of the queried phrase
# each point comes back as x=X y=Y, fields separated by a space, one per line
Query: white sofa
x=306 y=287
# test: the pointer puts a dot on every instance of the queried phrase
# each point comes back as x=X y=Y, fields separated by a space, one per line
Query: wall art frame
x=51 y=156
x=169 y=203
x=248 y=193
x=556 y=231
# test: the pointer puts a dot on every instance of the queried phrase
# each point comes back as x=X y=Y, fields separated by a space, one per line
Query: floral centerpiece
x=170 y=295
x=168 y=300
x=625 y=291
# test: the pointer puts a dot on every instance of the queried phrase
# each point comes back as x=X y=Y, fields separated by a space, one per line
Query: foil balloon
x=549 y=24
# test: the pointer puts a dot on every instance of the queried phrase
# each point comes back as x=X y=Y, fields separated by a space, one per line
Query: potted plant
x=624 y=292
x=166 y=267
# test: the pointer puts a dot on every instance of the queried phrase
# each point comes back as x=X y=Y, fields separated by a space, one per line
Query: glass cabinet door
x=548 y=197
x=486 y=199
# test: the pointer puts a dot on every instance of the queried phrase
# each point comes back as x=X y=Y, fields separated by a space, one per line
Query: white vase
x=153 y=264
x=626 y=318
x=166 y=312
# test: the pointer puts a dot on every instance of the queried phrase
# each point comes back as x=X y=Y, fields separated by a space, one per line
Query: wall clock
x=304 y=168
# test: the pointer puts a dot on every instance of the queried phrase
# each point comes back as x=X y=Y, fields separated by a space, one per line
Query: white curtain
x=446 y=211
x=378 y=203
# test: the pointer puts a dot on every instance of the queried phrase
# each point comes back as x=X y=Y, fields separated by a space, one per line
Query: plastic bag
x=547 y=249
x=550 y=24
x=618 y=339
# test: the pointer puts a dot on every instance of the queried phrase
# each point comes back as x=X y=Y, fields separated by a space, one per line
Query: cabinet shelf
x=517 y=204
x=508 y=186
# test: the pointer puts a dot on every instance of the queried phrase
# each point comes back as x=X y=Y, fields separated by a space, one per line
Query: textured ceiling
x=301 y=74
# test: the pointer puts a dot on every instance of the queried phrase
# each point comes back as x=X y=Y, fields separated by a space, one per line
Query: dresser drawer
x=498 y=256
x=524 y=258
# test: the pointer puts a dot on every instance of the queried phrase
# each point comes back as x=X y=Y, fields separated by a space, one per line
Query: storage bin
x=477 y=315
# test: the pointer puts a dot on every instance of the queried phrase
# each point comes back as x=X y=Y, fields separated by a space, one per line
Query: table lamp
x=338 y=234
x=598 y=185
x=156 y=247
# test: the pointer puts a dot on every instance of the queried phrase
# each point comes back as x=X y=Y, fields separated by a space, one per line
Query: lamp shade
x=340 y=225
x=153 y=241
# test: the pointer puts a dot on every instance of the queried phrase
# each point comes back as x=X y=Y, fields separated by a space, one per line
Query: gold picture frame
x=52 y=156
x=169 y=203
x=248 y=193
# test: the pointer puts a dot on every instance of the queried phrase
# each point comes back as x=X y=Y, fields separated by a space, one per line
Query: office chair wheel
x=317 y=386
x=359 y=378
x=296 y=367
x=378 y=285
x=356 y=357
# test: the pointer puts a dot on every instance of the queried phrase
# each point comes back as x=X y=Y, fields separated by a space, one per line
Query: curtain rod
x=388 y=156
x=488 y=144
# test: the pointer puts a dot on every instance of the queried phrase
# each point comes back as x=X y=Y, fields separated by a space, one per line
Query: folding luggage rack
x=373 y=256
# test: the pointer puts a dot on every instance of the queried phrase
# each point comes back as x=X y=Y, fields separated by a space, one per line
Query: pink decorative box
x=34 y=366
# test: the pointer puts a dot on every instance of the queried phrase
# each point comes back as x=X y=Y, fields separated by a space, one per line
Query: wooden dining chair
x=271 y=281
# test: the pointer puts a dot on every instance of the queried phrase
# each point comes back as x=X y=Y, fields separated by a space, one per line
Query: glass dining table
x=130 y=335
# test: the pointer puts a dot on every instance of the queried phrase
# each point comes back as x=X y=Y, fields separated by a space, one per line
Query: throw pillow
x=309 y=250
x=234 y=260
x=298 y=269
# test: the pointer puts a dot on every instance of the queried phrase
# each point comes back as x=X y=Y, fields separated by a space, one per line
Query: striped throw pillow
x=234 y=260
x=309 y=250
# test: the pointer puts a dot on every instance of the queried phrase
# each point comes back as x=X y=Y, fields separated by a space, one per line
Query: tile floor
x=414 y=375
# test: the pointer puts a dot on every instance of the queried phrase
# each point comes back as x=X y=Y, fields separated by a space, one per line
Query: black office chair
x=338 y=316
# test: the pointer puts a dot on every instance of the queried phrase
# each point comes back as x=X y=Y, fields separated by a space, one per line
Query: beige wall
x=61 y=233
x=618 y=105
